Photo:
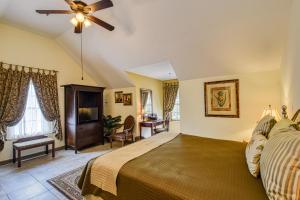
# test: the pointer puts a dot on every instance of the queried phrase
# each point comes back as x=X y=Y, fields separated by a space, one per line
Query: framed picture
x=119 y=97
x=222 y=99
x=127 y=99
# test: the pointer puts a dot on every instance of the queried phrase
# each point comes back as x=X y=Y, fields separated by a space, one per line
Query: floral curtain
x=170 y=90
x=13 y=96
x=14 y=85
x=33 y=122
x=46 y=91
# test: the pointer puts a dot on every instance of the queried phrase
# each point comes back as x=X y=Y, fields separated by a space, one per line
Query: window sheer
x=33 y=122
x=176 y=109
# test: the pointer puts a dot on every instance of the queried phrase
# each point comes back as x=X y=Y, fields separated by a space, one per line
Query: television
x=88 y=106
x=88 y=114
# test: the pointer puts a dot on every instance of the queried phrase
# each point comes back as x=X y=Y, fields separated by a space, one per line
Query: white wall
x=29 y=49
x=257 y=91
x=291 y=63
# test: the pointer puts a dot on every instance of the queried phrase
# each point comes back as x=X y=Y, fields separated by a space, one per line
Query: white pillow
x=265 y=125
x=280 y=166
x=284 y=125
x=253 y=152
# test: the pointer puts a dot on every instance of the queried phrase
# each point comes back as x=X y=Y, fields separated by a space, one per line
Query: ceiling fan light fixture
x=80 y=17
x=87 y=23
x=83 y=14
x=74 y=21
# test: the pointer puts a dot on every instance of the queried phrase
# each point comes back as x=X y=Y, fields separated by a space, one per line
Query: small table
x=151 y=124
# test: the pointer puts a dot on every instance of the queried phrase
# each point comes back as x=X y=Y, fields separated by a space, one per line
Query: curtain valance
x=174 y=83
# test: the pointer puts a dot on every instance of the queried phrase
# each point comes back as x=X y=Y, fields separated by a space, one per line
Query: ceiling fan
x=83 y=13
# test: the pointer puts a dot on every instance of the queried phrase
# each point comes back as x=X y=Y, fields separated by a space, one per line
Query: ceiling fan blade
x=101 y=23
x=70 y=2
x=100 y=5
x=48 y=12
x=78 y=28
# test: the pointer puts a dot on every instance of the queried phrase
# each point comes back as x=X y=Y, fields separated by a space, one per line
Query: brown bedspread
x=187 y=167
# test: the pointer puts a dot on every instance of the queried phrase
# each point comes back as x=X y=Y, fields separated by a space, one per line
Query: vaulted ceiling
x=199 y=38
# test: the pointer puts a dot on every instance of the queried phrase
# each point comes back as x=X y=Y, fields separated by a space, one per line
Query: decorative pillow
x=280 y=166
x=283 y=125
x=253 y=152
x=265 y=125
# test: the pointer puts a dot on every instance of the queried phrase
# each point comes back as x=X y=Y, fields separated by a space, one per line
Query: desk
x=150 y=124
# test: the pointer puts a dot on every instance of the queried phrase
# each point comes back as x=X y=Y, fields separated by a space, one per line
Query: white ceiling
x=199 y=37
x=161 y=71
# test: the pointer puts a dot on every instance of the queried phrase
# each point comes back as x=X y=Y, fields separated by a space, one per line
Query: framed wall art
x=127 y=99
x=222 y=99
x=119 y=97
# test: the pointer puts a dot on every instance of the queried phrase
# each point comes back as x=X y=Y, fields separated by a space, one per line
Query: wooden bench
x=32 y=142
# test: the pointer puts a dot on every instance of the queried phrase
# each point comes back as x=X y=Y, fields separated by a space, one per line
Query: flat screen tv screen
x=87 y=114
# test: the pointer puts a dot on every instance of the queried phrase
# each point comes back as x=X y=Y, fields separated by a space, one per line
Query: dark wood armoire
x=83 y=116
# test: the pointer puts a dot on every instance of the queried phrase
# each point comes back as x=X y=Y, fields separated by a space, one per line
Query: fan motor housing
x=80 y=6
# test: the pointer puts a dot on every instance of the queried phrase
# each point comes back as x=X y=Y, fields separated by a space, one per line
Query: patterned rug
x=67 y=184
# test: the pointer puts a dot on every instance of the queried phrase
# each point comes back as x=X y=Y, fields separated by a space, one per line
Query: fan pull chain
x=81 y=59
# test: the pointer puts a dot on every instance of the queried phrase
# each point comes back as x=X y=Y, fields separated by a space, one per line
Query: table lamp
x=271 y=111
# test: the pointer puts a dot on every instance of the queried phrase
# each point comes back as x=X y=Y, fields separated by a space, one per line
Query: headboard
x=283 y=112
x=295 y=118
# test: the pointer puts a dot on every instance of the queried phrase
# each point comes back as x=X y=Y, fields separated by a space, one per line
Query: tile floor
x=30 y=181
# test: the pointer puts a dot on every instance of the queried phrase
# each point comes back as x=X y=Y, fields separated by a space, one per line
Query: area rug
x=67 y=183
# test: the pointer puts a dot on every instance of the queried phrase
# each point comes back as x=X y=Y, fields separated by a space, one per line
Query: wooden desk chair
x=165 y=127
x=126 y=134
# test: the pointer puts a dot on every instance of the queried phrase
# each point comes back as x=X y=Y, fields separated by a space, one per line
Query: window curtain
x=13 y=96
x=14 y=84
x=170 y=90
x=33 y=122
x=45 y=85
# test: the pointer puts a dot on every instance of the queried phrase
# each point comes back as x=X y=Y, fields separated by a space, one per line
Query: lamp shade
x=80 y=17
x=271 y=111
x=87 y=23
x=74 y=21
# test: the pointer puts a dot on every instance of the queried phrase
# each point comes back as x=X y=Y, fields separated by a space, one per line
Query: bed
x=187 y=167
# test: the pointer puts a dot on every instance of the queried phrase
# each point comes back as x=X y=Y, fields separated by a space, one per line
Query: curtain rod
x=29 y=67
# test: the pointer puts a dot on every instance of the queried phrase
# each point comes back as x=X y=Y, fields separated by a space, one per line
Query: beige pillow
x=265 y=125
x=283 y=125
x=253 y=152
x=280 y=166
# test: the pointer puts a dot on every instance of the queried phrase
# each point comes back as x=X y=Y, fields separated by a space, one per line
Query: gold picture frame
x=222 y=98
x=119 y=97
x=127 y=99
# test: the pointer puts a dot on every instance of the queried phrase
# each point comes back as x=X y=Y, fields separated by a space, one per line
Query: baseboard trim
x=5 y=162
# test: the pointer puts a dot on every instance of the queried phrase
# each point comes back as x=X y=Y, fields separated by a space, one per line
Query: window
x=176 y=109
x=33 y=122
x=148 y=106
